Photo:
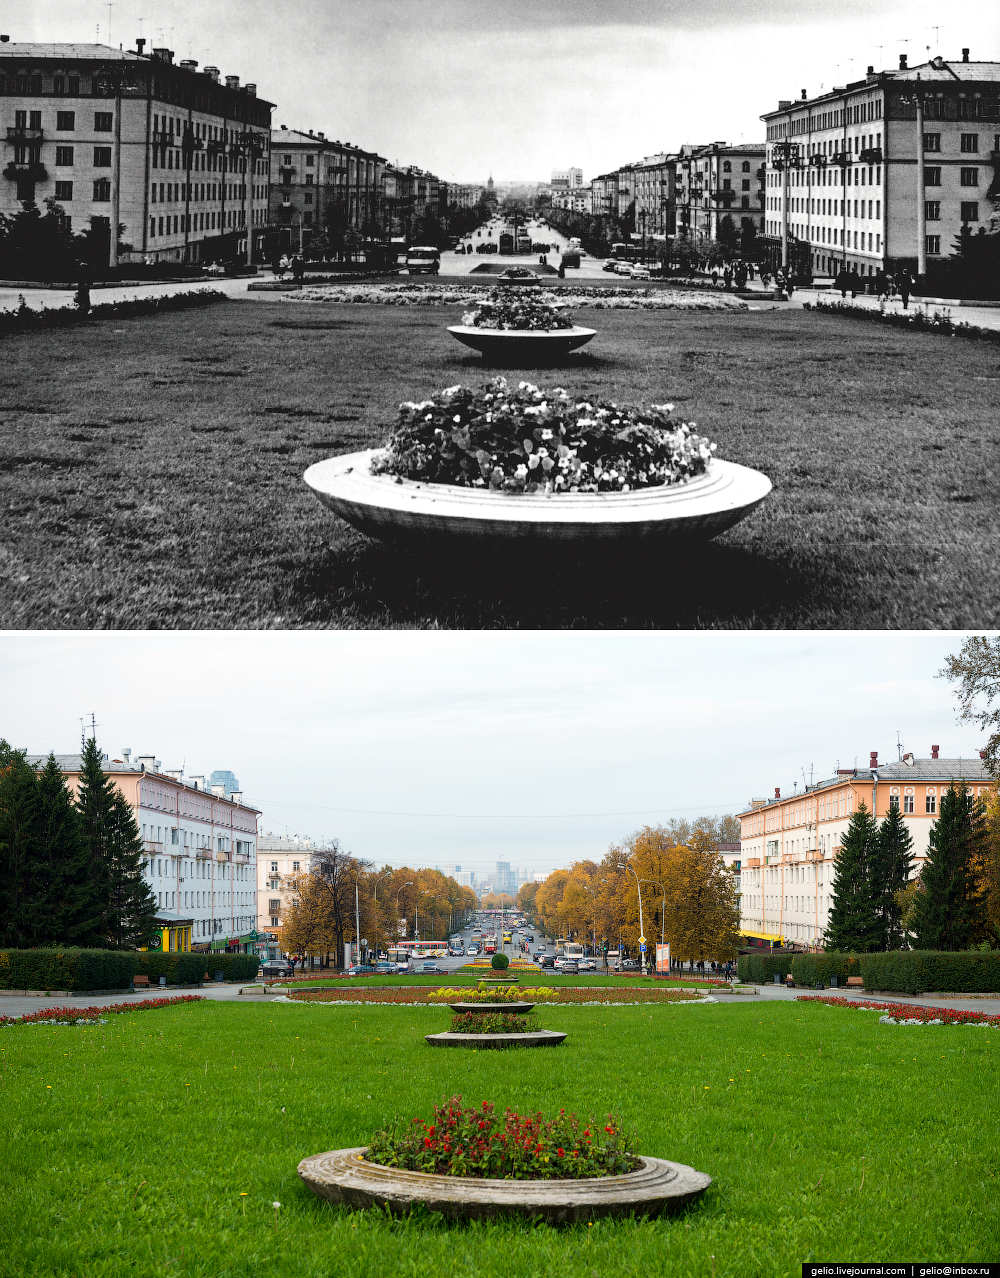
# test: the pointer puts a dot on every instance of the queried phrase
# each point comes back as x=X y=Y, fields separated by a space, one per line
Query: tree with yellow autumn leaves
x=688 y=895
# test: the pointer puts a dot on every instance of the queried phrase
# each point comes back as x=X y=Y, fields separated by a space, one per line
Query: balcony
x=724 y=197
x=27 y=170
x=753 y=863
x=20 y=134
x=871 y=155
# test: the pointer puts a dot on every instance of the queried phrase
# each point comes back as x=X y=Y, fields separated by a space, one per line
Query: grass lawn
x=151 y=473
x=829 y=1137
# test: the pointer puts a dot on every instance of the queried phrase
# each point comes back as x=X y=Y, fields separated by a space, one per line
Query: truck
x=423 y=260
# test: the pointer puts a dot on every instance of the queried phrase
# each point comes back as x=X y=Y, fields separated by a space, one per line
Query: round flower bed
x=451 y=994
x=520 y=330
x=481 y=464
x=475 y=1164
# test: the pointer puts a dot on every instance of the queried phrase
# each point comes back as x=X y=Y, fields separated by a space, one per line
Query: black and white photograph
x=499 y=638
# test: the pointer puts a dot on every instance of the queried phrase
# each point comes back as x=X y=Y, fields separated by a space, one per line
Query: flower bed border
x=536 y=1038
x=344 y=1177
x=72 y=1013
x=917 y=321
x=950 y=1016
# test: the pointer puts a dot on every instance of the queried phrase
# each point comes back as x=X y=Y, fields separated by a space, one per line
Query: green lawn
x=151 y=473
x=829 y=1137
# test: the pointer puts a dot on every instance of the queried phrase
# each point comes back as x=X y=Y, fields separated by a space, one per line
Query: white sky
x=519 y=87
x=538 y=749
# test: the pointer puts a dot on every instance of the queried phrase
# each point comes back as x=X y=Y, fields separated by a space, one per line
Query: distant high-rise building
x=505 y=880
x=522 y=874
x=540 y=876
x=227 y=779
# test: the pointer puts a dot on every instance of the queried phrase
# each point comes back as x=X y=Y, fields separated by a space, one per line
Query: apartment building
x=319 y=185
x=718 y=180
x=279 y=862
x=199 y=850
x=175 y=156
x=885 y=171
x=788 y=844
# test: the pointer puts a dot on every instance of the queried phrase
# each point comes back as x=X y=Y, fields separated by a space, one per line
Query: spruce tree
x=853 y=922
x=891 y=864
x=114 y=853
x=947 y=908
x=65 y=905
x=18 y=815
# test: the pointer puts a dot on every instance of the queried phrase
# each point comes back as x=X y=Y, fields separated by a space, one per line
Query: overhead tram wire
x=492 y=816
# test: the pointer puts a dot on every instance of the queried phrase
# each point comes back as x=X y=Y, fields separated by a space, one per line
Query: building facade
x=323 y=186
x=715 y=181
x=788 y=845
x=172 y=155
x=279 y=862
x=886 y=171
x=199 y=850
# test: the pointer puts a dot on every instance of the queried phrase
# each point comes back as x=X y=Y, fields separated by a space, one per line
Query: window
x=34 y=119
x=274 y=922
x=932 y=141
x=103 y=121
x=274 y=867
x=307 y=219
x=932 y=176
x=746 y=166
x=931 y=803
x=727 y=167
x=274 y=906
x=102 y=191
x=908 y=803
x=970 y=211
x=932 y=210
x=102 y=157
x=64 y=190
x=65 y=121
x=64 y=157
x=310 y=161
x=969 y=177
x=308 y=199
x=894 y=802
x=295 y=865
x=970 y=143
x=746 y=184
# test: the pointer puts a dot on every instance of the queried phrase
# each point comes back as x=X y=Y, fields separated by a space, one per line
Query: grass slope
x=828 y=1137
x=151 y=473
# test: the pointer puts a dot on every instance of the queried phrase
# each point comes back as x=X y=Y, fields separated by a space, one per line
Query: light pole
x=383 y=875
x=663 y=910
x=642 y=931
x=405 y=885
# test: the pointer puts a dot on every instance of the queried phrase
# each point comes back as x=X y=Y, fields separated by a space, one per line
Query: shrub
x=514 y=994
x=533 y=441
x=938 y=322
x=478 y=1142
x=67 y=969
x=810 y=969
x=494 y=1023
x=234 y=967
x=178 y=968
x=919 y=971
x=760 y=968
x=499 y=962
x=24 y=319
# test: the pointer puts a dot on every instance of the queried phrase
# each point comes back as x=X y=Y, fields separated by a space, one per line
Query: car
x=455 y=951
x=586 y=965
x=473 y=951
x=361 y=969
x=623 y=268
x=386 y=969
x=569 y=965
x=546 y=960
x=639 y=271
x=630 y=965
x=610 y=265
x=430 y=966
x=276 y=967
x=402 y=969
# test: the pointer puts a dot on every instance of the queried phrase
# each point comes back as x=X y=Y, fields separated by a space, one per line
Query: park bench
x=140 y=980
x=855 y=980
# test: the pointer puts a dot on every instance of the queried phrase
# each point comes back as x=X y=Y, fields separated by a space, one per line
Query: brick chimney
x=873 y=759
x=965 y=55
x=777 y=793
x=982 y=754
x=934 y=751
x=902 y=62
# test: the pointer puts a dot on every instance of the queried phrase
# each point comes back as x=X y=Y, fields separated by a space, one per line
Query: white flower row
x=604 y=299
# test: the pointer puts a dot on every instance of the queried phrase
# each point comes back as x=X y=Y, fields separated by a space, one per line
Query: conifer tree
x=114 y=853
x=18 y=815
x=853 y=924
x=891 y=865
x=947 y=910
x=66 y=910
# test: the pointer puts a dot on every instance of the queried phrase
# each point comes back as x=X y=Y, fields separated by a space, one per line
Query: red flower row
x=950 y=1016
x=92 y=1013
x=563 y=994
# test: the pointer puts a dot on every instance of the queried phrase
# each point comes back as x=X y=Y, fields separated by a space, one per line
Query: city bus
x=404 y=951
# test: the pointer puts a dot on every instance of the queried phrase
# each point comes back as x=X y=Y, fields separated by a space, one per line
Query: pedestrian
x=84 y=279
x=765 y=277
x=855 y=282
x=881 y=284
x=842 y=281
x=727 y=278
x=904 y=285
x=562 y=270
x=298 y=269
x=715 y=279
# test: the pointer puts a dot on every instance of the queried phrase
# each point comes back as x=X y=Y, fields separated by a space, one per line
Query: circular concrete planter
x=538 y=1038
x=343 y=1176
x=385 y=507
x=521 y=347
x=491 y=1007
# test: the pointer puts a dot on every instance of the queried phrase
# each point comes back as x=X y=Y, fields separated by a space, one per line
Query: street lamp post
x=382 y=876
x=663 y=911
x=642 y=931
x=405 y=885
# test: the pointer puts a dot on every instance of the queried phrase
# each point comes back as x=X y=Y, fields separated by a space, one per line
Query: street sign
x=642 y=948
x=642 y=940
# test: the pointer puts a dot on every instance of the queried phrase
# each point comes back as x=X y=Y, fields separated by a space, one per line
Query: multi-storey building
x=716 y=181
x=173 y=156
x=788 y=845
x=279 y=862
x=653 y=182
x=199 y=846
x=318 y=185
x=885 y=171
x=604 y=195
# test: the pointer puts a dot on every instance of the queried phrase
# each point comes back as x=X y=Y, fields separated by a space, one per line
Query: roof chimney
x=934 y=751
x=126 y=753
x=321 y=136
x=873 y=759
x=4 y=39
x=237 y=796
x=982 y=754
x=198 y=781
x=804 y=95
x=212 y=73
x=232 y=81
x=784 y=103
x=139 y=46
x=777 y=792
x=188 y=64
x=219 y=790
x=902 y=62
x=251 y=89
x=965 y=55
x=870 y=71
x=164 y=55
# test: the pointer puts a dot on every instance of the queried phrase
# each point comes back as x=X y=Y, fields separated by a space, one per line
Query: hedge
x=761 y=968
x=917 y=320
x=179 y=968
x=811 y=969
x=68 y=969
x=24 y=319
x=920 y=971
x=234 y=967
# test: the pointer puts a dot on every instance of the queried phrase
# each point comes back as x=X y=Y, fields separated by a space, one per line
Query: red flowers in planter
x=479 y=1142
x=904 y=1011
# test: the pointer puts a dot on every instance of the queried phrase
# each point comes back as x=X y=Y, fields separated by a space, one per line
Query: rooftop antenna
x=937 y=40
x=899 y=746
x=83 y=730
x=109 y=23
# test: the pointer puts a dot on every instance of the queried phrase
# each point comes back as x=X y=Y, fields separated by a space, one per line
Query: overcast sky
x=519 y=87
x=437 y=748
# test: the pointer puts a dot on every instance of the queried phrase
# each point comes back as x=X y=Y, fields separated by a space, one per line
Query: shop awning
x=764 y=936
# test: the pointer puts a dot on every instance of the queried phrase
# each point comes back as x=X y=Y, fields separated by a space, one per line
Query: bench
x=140 y=980
x=855 y=980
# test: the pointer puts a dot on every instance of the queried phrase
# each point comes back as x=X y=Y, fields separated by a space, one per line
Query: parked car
x=387 y=969
x=276 y=967
x=639 y=271
x=630 y=965
x=361 y=969
x=610 y=265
